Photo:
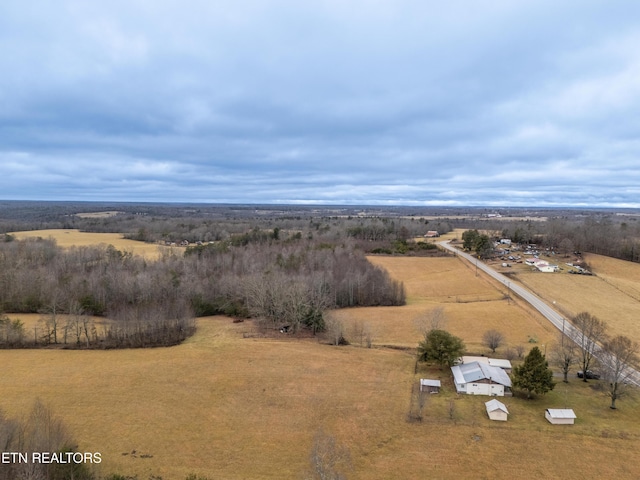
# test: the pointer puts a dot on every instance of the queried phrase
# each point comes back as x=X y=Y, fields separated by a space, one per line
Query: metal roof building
x=477 y=378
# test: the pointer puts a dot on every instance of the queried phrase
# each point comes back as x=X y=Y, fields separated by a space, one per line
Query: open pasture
x=231 y=407
x=472 y=305
x=67 y=238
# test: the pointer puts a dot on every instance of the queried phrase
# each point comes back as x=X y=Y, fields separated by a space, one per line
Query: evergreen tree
x=534 y=375
x=441 y=347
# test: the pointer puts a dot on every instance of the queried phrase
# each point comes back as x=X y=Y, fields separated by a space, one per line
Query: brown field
x=70 y=238
x=472 y=305
x=612 y=294
x=231 y=407
x=105 y=214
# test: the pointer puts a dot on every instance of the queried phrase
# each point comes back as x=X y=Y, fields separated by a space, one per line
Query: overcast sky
x=399 y=102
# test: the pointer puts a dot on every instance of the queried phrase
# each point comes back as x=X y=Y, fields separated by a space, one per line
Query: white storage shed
x=429 y=386
x=560 y=416
x=496 y=410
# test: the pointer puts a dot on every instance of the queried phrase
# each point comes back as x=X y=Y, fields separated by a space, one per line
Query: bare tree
x=329 y=460
x=566 y=247
x=434 y=319
x=590 y=331
x=42 y=431
x=619 y=356
x=510 y=354
x=564 y=354
x=357 y=332
x=492 y=339
x=416 y=404
x=369 y=335
x=335 y=329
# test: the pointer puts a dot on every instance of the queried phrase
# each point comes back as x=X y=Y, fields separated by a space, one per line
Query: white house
x=496 y=410
x=477 y=378
x=547 y=268
x=560 y=416
x=536 y=262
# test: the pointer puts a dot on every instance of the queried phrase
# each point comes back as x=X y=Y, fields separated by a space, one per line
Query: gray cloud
x=407 y=102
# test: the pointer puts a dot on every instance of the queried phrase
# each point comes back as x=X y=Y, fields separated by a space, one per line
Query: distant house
x=429 y=386
x=496 y=410
x=432 y=234
x=547 y=268
x=536 y=262
x=560 y=416
x=477 y=378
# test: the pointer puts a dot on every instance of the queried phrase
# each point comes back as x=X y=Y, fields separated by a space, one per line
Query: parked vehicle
x=590 y=375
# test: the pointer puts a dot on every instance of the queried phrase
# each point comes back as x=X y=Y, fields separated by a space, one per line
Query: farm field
x=231 y=407
x=612 y=294
x=231 y=404
x=67 y=238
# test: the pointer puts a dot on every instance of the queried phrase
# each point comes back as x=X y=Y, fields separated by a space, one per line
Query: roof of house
x=474 y=371
x=536 y=262
x=494 y=404
x=561 y=413
x=427 y=382
x=494 y=362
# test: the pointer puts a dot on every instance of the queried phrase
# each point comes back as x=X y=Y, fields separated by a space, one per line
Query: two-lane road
x=545 y=309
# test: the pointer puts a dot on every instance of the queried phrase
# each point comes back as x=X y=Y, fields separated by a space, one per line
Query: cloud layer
x=361 y=102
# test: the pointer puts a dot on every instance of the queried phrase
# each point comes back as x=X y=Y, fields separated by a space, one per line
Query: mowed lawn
x=227 y=405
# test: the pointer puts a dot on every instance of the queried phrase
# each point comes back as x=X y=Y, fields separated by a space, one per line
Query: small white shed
x=560 y=416
x=429 y=386
x=496 y=410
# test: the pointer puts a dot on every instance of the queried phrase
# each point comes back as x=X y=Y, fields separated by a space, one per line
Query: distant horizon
x=318 y=205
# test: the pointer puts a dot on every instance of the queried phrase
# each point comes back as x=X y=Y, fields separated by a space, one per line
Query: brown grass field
x=228 y=405
x=612 y=294
x=66 y=238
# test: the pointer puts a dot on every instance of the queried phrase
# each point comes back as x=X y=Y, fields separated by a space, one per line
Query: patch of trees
x=589 y=346
x=154 y=303
x=480 y=243
x=596 y=232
